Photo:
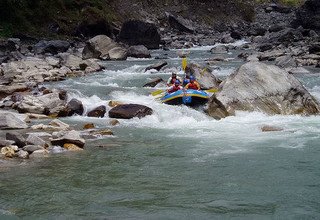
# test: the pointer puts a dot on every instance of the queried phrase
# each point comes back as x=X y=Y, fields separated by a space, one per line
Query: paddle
x=158 y=92
x=184 y=63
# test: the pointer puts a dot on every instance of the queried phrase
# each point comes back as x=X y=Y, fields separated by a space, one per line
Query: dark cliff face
x=86 y=18
x=308 y=16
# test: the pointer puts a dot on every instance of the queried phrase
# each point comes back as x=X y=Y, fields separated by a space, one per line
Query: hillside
x=85 y=18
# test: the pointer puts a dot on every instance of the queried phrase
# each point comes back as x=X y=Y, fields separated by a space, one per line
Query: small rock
x=114 y=103
x=114 y=122
x=22 y=154
x=102 y=132
x=88 y=126
x=18 y=138
x=7 y=152
x=31 y=148
x=98 y=112
x=268 y=128
x=72 y=147
x=39 y=154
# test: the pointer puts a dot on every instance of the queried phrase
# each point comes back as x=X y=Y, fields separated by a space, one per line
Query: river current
x=175 y=164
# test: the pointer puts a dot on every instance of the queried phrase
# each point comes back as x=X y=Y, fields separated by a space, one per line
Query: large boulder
x=203 y=76
x=53 y=46
x=216 y=109
x=98 y=47
x=127 y=111
x=180 y=24
x=17 y=138
x=257 y=86
x=10 y=121
x=73 y=107
x=140 y=33
x=118 y=53
x=138 y=51
x=308 y=16
x=45 y=104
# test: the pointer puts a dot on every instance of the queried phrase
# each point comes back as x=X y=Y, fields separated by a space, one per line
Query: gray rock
x=98 y=47
x=118 y=53
x=53 y=46
x=285 y=61
x=138 y=51
x=157 y=66
x=153 y=82
x=127 y=111
x=219 y=49
x=179 y=23
x=203 y=76
x=257 y=86
x=98 y=112
x=4 y=142
x=10 y=121
x=39 y=153
x=18 y=138
x=216 y=109
x=71 y=137
x=31 y=148
x=73 y=107
x=299 y=70
x=22 y=154
x=34 y=139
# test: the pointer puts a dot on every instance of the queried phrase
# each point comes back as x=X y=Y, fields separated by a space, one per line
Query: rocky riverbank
x=279 y=35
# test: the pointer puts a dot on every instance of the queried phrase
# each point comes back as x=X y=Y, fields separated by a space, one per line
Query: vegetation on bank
x=51 y=17
x=65 y=18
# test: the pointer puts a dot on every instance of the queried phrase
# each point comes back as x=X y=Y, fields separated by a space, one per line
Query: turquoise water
x=176 y=164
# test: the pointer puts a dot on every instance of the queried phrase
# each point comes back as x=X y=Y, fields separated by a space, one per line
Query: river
x=175 y=164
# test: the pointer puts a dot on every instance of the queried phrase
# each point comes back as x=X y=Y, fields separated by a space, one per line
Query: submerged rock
x=127 y=111
x=139 y=51
x=71 y=137
x=257 y=86
x=157 y=66
x=98 y=112
x=153 y=82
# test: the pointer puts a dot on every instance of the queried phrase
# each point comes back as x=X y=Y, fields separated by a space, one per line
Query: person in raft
x=175 y=87
x=172 y=79
x=193 y=84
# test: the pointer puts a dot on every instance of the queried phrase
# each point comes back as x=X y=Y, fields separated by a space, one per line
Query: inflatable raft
x=187 y=97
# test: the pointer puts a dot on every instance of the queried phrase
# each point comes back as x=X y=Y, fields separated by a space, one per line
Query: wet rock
x=113 y=103
x=138 y=51
x=268 y=128
x=71 y=61
x=56 y=149
x=136 y=32
x=157 y=66
x=89 y=126
x=98 y=112
x=227 y=39
x=72 y=147
x=271 y=55
x=216 y=109
x=72 y=137
x=257 y=86
x=17 y=138
x=102 y=132
x=127 y=111
x=36 y=116
x=203 y=76
x=10 y=121
x=153 y=82
x=219 y=49
x=59 y=124
x=73 y=107
x=114 y=122
x=314 y=48
x=299 y=70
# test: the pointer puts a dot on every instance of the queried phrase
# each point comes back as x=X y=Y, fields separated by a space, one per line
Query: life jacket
x=192 y=86
x=174 y=88
x=173 y=80
x=186 y=81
